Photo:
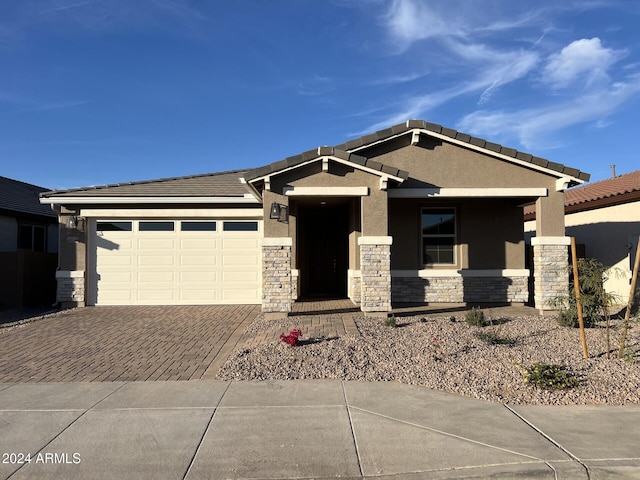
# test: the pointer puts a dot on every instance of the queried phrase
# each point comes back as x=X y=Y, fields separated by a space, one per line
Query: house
x=414 y=213
x=604 y=217
x=28 y=246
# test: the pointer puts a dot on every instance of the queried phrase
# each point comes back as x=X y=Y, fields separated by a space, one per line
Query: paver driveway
x=124 y=343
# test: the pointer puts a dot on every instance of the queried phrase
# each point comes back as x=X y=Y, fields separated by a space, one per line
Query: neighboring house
x=28 y=246
x=604 y=217
x=414 y=213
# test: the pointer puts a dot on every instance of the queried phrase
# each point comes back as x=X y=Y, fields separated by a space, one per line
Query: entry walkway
x=302 y=430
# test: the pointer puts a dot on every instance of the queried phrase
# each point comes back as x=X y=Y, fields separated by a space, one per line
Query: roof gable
x=322 y=153
x=417 y=127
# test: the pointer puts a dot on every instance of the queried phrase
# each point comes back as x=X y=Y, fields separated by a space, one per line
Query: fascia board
x=108 y=200
x=468 y=192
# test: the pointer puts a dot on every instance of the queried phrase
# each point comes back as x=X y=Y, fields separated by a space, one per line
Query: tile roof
x=223 y=184
x=321 y=152
x=21 y=197
x=461 y=137
x=611 y=191
x=611 y=187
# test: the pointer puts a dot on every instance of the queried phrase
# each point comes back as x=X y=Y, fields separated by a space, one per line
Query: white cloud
x=583 y=59
x=531 y=126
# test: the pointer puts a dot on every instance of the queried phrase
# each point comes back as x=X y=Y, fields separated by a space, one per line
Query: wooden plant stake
x=632 y=292
x=576 y=284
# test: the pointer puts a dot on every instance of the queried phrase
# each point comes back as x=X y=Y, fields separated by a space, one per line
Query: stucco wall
x=435 y=163
x=489 y=233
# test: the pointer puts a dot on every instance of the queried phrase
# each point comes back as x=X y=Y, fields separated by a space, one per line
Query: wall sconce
x=75 y=222
x=279 y=212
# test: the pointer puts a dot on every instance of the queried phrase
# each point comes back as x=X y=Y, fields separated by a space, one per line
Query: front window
x=32 y=237
x=438 y=236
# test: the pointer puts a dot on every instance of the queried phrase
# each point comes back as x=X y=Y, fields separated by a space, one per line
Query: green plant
x=549 y=375
x=595 y=300
x=476 y=318
x=495 y=338
x=390 y=321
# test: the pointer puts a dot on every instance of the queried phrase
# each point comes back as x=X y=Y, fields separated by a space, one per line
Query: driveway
x=124 y=343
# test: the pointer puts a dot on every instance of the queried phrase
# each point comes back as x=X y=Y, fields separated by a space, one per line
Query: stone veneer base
x=460 y=289
x=276 y=275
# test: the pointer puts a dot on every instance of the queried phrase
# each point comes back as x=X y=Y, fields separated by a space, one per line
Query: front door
x=323 y=251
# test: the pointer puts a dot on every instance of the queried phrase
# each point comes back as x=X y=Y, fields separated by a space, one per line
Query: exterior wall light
x=279 y=212
x=74 y=222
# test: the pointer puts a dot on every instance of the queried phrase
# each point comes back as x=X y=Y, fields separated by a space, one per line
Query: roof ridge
x=409 y=125
x=143 y=182
x=610 y=179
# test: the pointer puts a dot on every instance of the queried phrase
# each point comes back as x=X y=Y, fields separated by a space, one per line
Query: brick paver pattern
x=122 y=343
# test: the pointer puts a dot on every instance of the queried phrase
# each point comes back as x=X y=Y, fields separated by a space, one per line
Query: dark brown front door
x=323 y=251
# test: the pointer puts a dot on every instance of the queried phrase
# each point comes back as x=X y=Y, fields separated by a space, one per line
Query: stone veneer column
x=276 y=276
x=70 y=291
x=550 y=275
x=375 y=271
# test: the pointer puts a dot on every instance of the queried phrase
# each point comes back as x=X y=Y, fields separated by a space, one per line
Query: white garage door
x=176 y=262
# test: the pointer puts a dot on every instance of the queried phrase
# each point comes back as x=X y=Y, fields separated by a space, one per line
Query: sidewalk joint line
x=353 y=432
x=67 y=427
x=206 y=430
x=452 y=435
x=551 y=440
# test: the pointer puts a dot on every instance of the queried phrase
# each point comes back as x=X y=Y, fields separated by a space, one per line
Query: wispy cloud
x=532 y=126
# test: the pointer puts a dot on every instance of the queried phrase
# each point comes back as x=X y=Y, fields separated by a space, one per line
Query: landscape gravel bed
x=446 y=353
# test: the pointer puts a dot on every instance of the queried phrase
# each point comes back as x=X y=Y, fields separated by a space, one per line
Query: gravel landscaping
x=445 y=353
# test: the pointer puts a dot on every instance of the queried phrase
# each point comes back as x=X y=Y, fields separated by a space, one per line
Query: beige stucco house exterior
x=414 y=213
x=604 y=217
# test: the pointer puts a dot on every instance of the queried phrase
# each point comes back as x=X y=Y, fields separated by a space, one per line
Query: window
x=198 y=226
x=438 y=235
x=32 y=237
x=156 y=227
x=113 y=226
x=240 y=226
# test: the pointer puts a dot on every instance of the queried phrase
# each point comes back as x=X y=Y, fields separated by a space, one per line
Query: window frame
x=453 y=236
x=32 y=237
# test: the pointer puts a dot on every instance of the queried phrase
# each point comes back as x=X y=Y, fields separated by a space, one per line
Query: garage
x=174 y=261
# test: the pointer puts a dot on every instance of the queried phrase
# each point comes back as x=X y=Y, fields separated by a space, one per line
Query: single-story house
x=604 y=217
x=28 y=246
x=414 y=213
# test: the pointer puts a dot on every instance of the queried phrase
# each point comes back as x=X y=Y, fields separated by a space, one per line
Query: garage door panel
x=156 y=244
x=199 y=277
x=235 y=259
x=156 y=260
x=235 y=243
x=156 y=277
x=205 y=244
x=178 y=267
x=236 y=276
x=191 y=259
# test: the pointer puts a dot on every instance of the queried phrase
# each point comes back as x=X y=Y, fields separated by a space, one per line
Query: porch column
x=276 y=276
x=72 y=251
x=550 y=251
x=550 y=275
x=375 y=268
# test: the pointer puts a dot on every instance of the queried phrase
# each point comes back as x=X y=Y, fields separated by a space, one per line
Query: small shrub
x=475 y=317
x=494 y=338
x=293 y=337
x=550 y=376
x=390 y=321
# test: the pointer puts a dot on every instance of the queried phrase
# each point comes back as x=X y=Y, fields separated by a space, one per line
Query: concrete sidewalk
x=302 y=429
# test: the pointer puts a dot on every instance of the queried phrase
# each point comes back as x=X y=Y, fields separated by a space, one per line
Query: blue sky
x=105 y=91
